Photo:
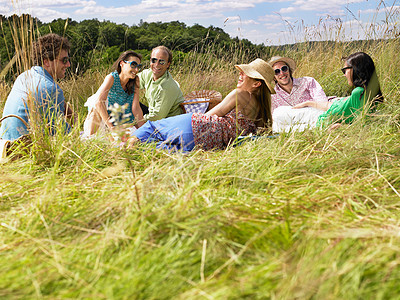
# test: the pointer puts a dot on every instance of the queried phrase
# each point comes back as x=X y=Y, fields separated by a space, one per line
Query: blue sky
x=260 y=21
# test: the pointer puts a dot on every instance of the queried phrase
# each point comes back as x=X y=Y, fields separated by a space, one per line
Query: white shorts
x=287 y=118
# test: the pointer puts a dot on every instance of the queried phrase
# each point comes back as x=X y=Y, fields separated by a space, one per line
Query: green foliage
x=110 y=55
x=95 y=42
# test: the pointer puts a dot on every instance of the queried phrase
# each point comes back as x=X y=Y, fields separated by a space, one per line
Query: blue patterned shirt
x=118 y=95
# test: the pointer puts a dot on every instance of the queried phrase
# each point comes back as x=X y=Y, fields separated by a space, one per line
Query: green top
x=344 y=109
x=162 y=96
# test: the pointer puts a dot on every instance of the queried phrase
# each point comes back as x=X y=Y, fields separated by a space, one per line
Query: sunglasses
x=162 y=62
x=65 y=60
x=134 y=65
x=284 y=69
x=345 y=68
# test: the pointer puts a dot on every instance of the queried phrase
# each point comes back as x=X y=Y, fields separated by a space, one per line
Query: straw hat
x=290 y=62
x=259 y=69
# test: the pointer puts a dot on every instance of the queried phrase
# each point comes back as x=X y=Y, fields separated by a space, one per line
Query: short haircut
x=49 y=47
x=166 y=50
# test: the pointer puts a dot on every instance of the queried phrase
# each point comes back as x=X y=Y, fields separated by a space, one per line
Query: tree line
x=97 y=42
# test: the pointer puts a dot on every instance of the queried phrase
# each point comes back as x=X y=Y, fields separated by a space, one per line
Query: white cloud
x=107 y=12
x=236 y=20
x=273 y=18
x=153 y=10
x=184 y=16
x=273 y=26
x=48 y=15
x=287 y=10
x=49 y=3
x=4 y=10
x=328 y=7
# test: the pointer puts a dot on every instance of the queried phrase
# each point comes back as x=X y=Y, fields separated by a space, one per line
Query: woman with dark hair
x=240 y=113
x=359 y=69
x=120 y=87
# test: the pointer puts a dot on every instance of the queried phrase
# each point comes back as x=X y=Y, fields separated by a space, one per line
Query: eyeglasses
x=162 y=62
x=345 y=68
x=134 y=65
x=65 y=60
x=284 y=69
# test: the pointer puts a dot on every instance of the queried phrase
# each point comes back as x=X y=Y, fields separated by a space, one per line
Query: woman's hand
x=334 y=126
x=109 y=125
x=321 y=105
x=131 y=142
x=305 y=104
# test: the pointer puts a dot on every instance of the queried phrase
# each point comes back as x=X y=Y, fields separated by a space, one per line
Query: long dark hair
x=130 y=86
x=263 y=97
x=363 y=68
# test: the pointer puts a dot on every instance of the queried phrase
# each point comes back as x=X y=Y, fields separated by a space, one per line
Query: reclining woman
x=239 y=113
x=119 y=87
x=359 y=69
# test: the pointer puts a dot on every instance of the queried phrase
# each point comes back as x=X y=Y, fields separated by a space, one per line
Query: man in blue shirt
x=35 y=94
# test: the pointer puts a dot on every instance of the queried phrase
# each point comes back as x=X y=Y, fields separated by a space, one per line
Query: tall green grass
x=312 y=215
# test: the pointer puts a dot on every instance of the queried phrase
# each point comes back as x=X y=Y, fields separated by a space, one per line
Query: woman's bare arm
x=227 y=104
x=136 y=110
x=321 y=105
x=100 y=104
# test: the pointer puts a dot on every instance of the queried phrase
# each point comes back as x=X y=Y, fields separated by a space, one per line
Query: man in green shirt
x=163 y=94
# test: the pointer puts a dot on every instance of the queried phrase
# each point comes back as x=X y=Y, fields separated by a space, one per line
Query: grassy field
x=312 y=215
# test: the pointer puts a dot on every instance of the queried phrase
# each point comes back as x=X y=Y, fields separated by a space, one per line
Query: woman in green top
x=359 y=69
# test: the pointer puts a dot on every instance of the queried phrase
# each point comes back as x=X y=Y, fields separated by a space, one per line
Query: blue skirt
x=173 y=133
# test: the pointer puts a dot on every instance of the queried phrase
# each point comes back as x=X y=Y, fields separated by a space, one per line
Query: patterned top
x=304 y=89
x=213 y=132
x=117 y=95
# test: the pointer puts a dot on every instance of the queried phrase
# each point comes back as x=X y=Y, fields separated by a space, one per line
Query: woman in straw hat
x=239 y=113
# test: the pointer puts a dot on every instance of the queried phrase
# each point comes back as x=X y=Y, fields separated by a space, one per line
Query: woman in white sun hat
x=244 y=109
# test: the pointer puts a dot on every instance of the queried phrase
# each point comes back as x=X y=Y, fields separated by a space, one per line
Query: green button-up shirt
x=162 y=96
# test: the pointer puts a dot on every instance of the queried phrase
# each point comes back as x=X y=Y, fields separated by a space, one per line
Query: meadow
x=311 y=215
